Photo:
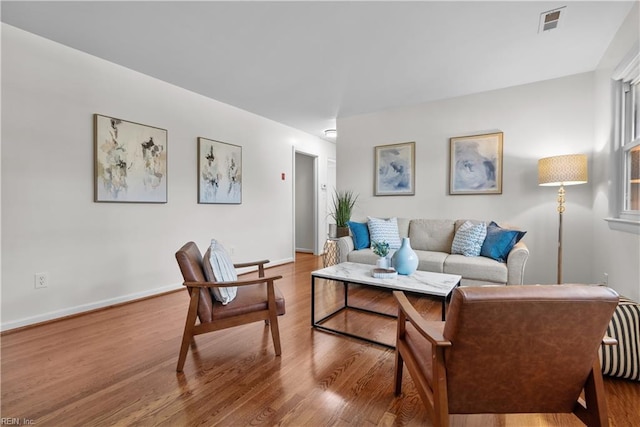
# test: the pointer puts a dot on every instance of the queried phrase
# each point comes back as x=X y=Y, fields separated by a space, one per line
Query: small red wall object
x=283 y=176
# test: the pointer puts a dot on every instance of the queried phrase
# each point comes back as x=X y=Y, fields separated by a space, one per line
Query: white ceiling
x=306 y=63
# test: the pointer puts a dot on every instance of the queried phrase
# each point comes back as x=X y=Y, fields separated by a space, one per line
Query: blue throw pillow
x=499 y=242
x=360 y=234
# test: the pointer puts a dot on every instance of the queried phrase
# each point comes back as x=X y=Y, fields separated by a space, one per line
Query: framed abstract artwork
x=130 y=161
x=395 y=169
x=219 y=172
x=476 y=164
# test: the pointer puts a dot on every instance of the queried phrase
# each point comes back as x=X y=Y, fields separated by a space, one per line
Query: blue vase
x=405 y=260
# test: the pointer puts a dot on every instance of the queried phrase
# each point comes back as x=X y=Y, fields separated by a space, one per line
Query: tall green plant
x=343 y=203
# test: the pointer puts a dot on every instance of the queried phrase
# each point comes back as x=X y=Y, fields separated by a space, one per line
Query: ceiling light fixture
x=330 y=133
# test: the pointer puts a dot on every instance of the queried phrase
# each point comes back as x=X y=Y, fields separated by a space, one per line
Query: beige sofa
x=431 y=239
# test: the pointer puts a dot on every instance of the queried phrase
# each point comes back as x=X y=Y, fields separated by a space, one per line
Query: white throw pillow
x=469 y=238
x=222 y=270
x=384 y=230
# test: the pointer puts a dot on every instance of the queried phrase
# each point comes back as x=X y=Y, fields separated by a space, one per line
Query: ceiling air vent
x=552 y=19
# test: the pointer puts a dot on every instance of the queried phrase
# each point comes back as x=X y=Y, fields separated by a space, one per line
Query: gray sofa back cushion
x=403 y=227
x=431 y=234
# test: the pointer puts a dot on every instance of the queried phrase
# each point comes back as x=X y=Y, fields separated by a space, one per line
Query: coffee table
x=437 y=285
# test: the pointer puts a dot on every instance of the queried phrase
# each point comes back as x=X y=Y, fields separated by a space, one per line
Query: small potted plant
x=381 y=248
x=343 y=203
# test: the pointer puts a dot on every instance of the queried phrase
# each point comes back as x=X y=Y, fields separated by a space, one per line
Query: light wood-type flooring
x=116 y=367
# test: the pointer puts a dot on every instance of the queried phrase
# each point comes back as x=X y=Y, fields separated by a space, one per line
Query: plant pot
x=333 y=232
x=383 y=262
x=342 y=231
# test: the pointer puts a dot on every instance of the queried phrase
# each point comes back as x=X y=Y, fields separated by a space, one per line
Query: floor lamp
x=570 y=169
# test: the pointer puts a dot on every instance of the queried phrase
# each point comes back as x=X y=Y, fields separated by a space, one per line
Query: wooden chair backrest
x=190 y=261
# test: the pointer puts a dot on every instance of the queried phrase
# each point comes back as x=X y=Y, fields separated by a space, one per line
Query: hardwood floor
x=117 y=367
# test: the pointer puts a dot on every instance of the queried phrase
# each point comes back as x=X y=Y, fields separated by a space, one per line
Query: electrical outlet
x=605 y=280
x=232 y=249
x=41 y=280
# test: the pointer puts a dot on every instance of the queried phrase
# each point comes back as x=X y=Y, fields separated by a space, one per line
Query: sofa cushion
x=431 y=234
x=363 y=256
x=431 y=261
x=403 y=227
x=384 y=230
x=360 y=234
x=476 y=268
x=468 y=239
x=499 y=242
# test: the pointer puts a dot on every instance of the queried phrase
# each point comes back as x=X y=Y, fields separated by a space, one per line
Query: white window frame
x=626 y=75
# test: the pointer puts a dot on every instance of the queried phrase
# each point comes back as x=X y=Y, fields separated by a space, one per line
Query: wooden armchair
x=512 y=349
x=257 y=299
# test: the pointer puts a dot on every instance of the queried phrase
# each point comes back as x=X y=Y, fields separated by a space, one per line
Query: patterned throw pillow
x=623 y=360
x=384 y=230
x=218 y=267
x=469 y=238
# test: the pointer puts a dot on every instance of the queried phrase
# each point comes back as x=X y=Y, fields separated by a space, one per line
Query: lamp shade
x=570 y=169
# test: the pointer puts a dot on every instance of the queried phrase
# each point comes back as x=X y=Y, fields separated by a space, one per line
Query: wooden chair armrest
x=426 y=328
x=234 y=283
x=607 y=340
x=260 y=265
x=250 y=264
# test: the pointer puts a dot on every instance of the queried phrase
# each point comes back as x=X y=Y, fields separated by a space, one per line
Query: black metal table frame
x=318 y=324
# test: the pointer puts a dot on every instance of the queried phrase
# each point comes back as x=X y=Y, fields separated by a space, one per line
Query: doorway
x=305 y=203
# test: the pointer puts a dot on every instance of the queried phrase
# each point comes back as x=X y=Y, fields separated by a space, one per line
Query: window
x=631 y=146
x=628 y=77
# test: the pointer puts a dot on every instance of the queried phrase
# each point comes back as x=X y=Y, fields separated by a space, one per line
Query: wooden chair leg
x=440 y=394
x=593 y=410
x=397 y=379
x=275 y=333
x=187 y=335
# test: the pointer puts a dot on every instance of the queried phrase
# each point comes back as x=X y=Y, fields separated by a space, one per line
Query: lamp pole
x=560 y=212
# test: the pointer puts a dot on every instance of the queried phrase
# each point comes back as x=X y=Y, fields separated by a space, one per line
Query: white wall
x=100 y=253
x=616 y=253
x=538 y=120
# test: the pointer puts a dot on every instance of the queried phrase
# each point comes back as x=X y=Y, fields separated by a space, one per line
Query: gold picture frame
x=395 y=169
x=476 y=164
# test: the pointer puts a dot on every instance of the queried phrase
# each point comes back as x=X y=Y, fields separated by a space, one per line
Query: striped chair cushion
x=623 y=360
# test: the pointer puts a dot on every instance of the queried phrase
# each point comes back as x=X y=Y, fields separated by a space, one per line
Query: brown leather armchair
x=257 y=299
x=511 y=349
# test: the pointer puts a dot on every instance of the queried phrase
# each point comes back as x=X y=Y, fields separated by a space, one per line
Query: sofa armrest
x=516 y=261
x=345 y=245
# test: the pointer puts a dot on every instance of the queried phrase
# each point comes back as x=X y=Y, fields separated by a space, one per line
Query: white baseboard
x=52 y=315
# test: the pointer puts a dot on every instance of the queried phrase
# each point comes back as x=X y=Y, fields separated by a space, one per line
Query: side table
x=330 y=252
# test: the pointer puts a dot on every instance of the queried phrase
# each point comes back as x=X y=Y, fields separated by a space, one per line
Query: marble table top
x=423 y=282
